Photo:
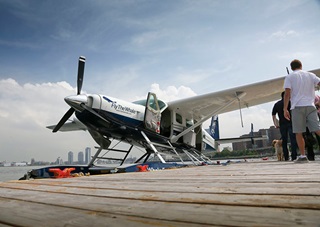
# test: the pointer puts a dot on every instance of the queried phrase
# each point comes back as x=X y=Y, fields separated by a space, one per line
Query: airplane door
x=152 y=114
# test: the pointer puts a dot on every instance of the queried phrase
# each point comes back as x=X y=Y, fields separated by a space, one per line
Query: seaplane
x=157 y=126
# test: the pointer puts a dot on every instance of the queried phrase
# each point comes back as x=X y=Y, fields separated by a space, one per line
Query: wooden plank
x=181 y=187
x=23 y=213
x=249 y=199
x=201 y=214
x=240 y=194
x=261 y=200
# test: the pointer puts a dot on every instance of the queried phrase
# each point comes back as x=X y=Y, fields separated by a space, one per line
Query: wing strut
x=239 y=108
x=238 y=96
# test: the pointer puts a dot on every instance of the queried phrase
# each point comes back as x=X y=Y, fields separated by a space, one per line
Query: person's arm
x=286 y=112
x=275 y=121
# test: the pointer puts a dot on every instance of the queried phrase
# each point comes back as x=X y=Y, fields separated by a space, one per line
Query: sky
x=175 y=48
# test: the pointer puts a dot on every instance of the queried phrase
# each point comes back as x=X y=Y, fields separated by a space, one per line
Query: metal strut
x=192 y=157
x=153 y=147
x=96 y=156
x=175 y=151
x=239 y=108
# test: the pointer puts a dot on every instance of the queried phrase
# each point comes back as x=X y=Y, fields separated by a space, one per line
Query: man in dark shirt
x=285 y=129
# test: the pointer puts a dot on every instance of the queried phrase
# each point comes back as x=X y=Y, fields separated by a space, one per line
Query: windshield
x=162 y=105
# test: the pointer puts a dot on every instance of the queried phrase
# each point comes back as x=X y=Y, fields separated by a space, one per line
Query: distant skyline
x=175 y=48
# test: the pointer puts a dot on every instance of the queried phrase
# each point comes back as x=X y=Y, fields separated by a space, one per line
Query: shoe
x=301 y=159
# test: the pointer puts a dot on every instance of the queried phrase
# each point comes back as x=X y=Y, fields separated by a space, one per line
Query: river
x=14 y=172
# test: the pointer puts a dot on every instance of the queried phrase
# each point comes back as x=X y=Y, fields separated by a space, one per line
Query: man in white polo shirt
x=300 y=89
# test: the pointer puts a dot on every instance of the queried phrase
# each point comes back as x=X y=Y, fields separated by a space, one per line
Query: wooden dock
x=261 y=193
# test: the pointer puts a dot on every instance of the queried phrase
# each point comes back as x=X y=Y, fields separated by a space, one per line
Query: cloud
x=33 y=102
x=25 y=112
x=170 y=93
x=20 y=44
x=283 y=35
x=280 y=36
x=297 y=55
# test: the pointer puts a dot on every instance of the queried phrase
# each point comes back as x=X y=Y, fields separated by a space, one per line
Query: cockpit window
x=152 y=102
x=162 y=105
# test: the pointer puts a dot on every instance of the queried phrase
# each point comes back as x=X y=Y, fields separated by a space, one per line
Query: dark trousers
x=309 y=143
x=285 y=130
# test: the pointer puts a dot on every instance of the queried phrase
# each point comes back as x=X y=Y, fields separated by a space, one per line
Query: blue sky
x=175 y=48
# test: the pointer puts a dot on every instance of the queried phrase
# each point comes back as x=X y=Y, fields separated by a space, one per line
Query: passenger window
x=189 y=123
x=178 y=118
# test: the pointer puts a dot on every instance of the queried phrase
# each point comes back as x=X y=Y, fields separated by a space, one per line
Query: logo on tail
x=214 y=127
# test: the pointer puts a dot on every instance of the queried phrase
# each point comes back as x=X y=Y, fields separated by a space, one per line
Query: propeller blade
x=65 y=117
x=81 y=64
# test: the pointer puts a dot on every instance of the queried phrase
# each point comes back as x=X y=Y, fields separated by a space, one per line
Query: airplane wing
x=72 y=125
x=204 y=106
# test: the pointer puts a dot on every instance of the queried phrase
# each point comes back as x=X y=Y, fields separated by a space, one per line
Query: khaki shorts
x=305 y=116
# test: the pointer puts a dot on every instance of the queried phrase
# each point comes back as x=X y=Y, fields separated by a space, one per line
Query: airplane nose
x=75 y=101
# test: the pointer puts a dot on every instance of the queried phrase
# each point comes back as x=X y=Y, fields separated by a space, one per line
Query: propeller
x=65 y=117
x=68 y=114
x=82 y=61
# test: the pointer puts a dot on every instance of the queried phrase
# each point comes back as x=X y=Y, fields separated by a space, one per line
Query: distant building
x=274 y=134
x=19 y=164
x=87 y=155
x=59 y=161
x=80 y=158
x=5 y=164
x=271 y=133
x=70 y=157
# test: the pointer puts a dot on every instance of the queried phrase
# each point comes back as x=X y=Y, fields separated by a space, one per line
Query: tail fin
x=214 y=127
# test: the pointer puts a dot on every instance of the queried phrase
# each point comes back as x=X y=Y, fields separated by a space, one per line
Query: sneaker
x=301 y=159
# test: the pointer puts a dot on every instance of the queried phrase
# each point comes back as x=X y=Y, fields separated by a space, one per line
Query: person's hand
x=286 y=114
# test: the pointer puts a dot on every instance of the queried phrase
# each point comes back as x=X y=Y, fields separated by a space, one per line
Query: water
x=14 y=172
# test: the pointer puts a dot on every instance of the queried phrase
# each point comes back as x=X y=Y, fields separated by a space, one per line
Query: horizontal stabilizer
x=241 y=139
x=207 y=138
x=74 y=125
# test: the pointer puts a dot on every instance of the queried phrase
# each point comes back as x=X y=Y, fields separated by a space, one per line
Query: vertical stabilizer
x=214 y=127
